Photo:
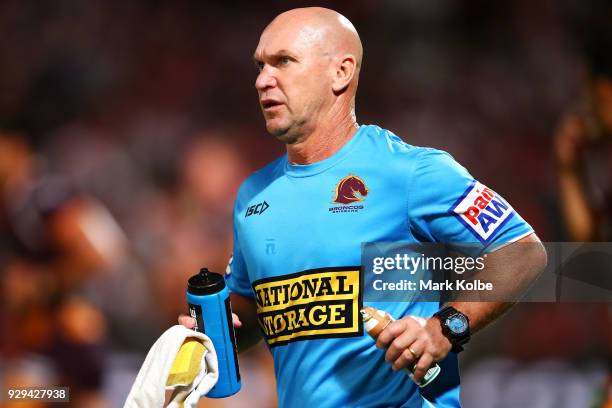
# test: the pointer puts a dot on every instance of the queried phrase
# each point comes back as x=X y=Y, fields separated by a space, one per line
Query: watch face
x=457 y=324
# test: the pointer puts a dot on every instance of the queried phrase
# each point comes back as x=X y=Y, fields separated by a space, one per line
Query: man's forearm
x=481 y=313
x=511 y=270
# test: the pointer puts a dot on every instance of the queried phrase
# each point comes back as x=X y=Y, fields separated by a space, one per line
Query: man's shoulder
x=397 y=148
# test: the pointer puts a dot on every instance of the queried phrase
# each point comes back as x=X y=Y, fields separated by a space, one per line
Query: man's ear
x=345 y=69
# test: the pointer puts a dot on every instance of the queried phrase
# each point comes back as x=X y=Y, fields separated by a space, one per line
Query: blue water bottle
x=209 y=304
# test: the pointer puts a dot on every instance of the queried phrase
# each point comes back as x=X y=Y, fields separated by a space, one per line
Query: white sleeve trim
x=505 y=244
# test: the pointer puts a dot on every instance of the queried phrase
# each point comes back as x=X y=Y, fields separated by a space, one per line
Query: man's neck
x=322 y=142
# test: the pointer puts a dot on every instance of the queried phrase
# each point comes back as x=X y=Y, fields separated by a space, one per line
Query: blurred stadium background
x=127 y=126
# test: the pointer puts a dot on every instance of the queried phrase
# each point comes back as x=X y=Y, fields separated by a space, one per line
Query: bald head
x=322 y=28
x=309 y=61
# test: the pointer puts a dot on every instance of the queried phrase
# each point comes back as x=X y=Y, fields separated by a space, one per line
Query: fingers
x=400 y=345
x=187 y=321
x=410 y=343
x=422 y=322
x=408 y=356
x=421 y=367
x=390 y=332
x=236 y=321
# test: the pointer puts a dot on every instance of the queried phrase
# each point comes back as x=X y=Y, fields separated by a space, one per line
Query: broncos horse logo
x=350 y=189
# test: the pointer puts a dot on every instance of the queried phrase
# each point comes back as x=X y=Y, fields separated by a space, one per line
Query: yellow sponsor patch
x=312 y=304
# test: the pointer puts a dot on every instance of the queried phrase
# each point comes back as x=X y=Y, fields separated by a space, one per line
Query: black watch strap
x=455 y=326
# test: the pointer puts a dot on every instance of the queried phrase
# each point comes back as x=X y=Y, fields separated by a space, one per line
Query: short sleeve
x=236 y=274
x=446 y=204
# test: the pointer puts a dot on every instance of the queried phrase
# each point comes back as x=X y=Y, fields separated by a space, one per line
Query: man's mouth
x=270 y=104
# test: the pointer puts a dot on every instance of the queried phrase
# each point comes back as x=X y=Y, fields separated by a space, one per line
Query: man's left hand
x=414 y=341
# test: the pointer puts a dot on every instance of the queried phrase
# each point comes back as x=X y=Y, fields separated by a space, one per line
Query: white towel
x=149 y=388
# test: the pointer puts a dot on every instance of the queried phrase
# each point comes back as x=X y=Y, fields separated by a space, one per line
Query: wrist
x=434 y=327
x=455 y=327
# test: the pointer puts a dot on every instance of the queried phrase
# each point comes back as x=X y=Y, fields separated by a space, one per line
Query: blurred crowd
x=127 y=127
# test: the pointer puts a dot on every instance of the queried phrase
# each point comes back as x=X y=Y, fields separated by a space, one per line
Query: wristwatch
x=455 y=326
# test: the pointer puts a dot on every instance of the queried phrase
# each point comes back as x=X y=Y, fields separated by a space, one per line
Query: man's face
x=293 y=82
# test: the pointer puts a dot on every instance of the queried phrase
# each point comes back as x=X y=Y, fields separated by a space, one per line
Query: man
x=300 y=221
x=583 y=144
x=582 y=151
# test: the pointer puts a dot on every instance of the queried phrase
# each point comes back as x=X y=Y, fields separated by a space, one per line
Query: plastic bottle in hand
x=209 y=304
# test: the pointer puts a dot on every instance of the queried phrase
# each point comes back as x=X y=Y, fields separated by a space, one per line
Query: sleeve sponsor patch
x=312 y=304
x=482 y=211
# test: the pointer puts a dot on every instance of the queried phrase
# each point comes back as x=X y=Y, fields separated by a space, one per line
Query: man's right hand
x=189 y=322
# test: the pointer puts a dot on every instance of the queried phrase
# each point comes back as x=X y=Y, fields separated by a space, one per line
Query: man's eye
x=259 y=65
x=284 y=60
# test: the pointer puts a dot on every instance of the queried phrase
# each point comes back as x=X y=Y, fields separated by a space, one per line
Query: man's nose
x=265 y=79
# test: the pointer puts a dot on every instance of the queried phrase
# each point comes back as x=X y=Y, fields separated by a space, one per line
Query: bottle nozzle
x=205 y=282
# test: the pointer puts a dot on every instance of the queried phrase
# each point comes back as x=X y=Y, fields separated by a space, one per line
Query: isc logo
x=257 y=209
x=482 y=210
